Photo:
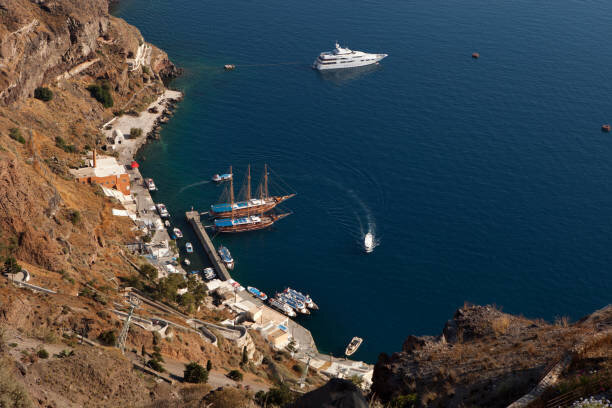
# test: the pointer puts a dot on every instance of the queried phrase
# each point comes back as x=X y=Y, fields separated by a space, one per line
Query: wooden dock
x=194 y=219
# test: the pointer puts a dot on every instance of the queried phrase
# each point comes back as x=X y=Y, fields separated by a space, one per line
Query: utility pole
x=134 y=303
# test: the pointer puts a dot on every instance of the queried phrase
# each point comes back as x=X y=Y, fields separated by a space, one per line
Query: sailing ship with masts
x=251 y=205
x=253 y=213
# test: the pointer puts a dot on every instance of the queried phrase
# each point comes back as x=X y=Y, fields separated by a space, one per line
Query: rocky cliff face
x=44 y=38
x=482 y=358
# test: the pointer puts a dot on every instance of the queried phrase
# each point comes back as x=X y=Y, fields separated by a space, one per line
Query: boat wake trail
x=199 y=183
x=362 y=221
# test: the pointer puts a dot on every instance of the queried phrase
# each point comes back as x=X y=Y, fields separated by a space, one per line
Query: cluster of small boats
x=291 y=301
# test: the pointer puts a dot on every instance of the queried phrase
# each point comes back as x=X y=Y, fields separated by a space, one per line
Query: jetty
x=194 y=219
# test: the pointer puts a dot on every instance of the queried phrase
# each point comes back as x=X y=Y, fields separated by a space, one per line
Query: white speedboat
x=345 y=58
x=177 y=233
x=189 y=247
x=353 y=346
x=226 y=257
x=219 y=178
x=187 y=261
x=150 y=184
x=368 y=242
x=163 y=212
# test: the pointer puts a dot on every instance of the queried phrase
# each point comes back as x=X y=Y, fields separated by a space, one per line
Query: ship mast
x=248 y=194
x=231 y=191
x=265 y=188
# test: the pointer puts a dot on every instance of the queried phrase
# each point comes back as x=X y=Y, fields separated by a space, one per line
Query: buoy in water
x=229 y=67
x=605 y=128
x=475 y=55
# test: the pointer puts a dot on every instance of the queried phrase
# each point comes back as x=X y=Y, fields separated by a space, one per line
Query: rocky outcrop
x=337 y=393
x=44 y=38
x=483 y=357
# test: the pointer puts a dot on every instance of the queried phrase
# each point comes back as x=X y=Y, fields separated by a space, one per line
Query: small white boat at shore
x=226 y=257
x=353 y=346
x=189 y=247
x=150 y=184
x=177 y=233
x=209 y=273
x=368 y=242
x=187 y=261
x=161 y=209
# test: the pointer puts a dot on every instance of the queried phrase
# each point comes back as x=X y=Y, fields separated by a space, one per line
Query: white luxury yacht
x=345 y=58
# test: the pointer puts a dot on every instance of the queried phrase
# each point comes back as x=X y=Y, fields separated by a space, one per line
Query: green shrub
x=280 y=396
x=102 y=94
x=195 y=373
x=11 y=266
x=108 y=338
x=42 y=353
x=156 y=365
x=148 y=271
x=235 y=375
x=61 y=143
x=135 y=132
x=75 y=217
x=15 y=134
x=44 y=94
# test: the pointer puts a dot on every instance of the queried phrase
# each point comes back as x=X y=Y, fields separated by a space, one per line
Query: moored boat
x=209 y=274
x=353 y=346
x=263 y=203
x=187 y=261
x=257 y=293
x=226 y=257
x=281 y=307
x=301 y=297
x=150 y=184
x=250 y=223
x=294 y=303
x=177 y=232
x=189 y=247
x=161 y=209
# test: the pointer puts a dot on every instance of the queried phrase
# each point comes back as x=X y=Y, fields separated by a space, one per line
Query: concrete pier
x=194 y=219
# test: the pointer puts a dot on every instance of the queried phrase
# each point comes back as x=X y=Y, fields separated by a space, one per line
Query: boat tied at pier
x=226 y=257
x=252 y=213
x=257 y=293
x=260 y=204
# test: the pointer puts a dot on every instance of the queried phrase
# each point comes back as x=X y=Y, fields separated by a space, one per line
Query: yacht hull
x=353 y=64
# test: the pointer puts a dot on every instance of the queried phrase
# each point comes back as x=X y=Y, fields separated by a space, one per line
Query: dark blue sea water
x=486 y=180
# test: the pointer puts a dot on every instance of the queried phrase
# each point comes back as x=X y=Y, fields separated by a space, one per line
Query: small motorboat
x=226 y=257
x=353 y=346
x=229 y=67
x=209 y=274
x=177 y=232
x=161 y=209
x=475 y=55
x=150 y=184
x=189 y=247
x=187 y=261
x=368 y=242
x=257 y=293
x=605 y=128
x=167 y=223
x=220 y=178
